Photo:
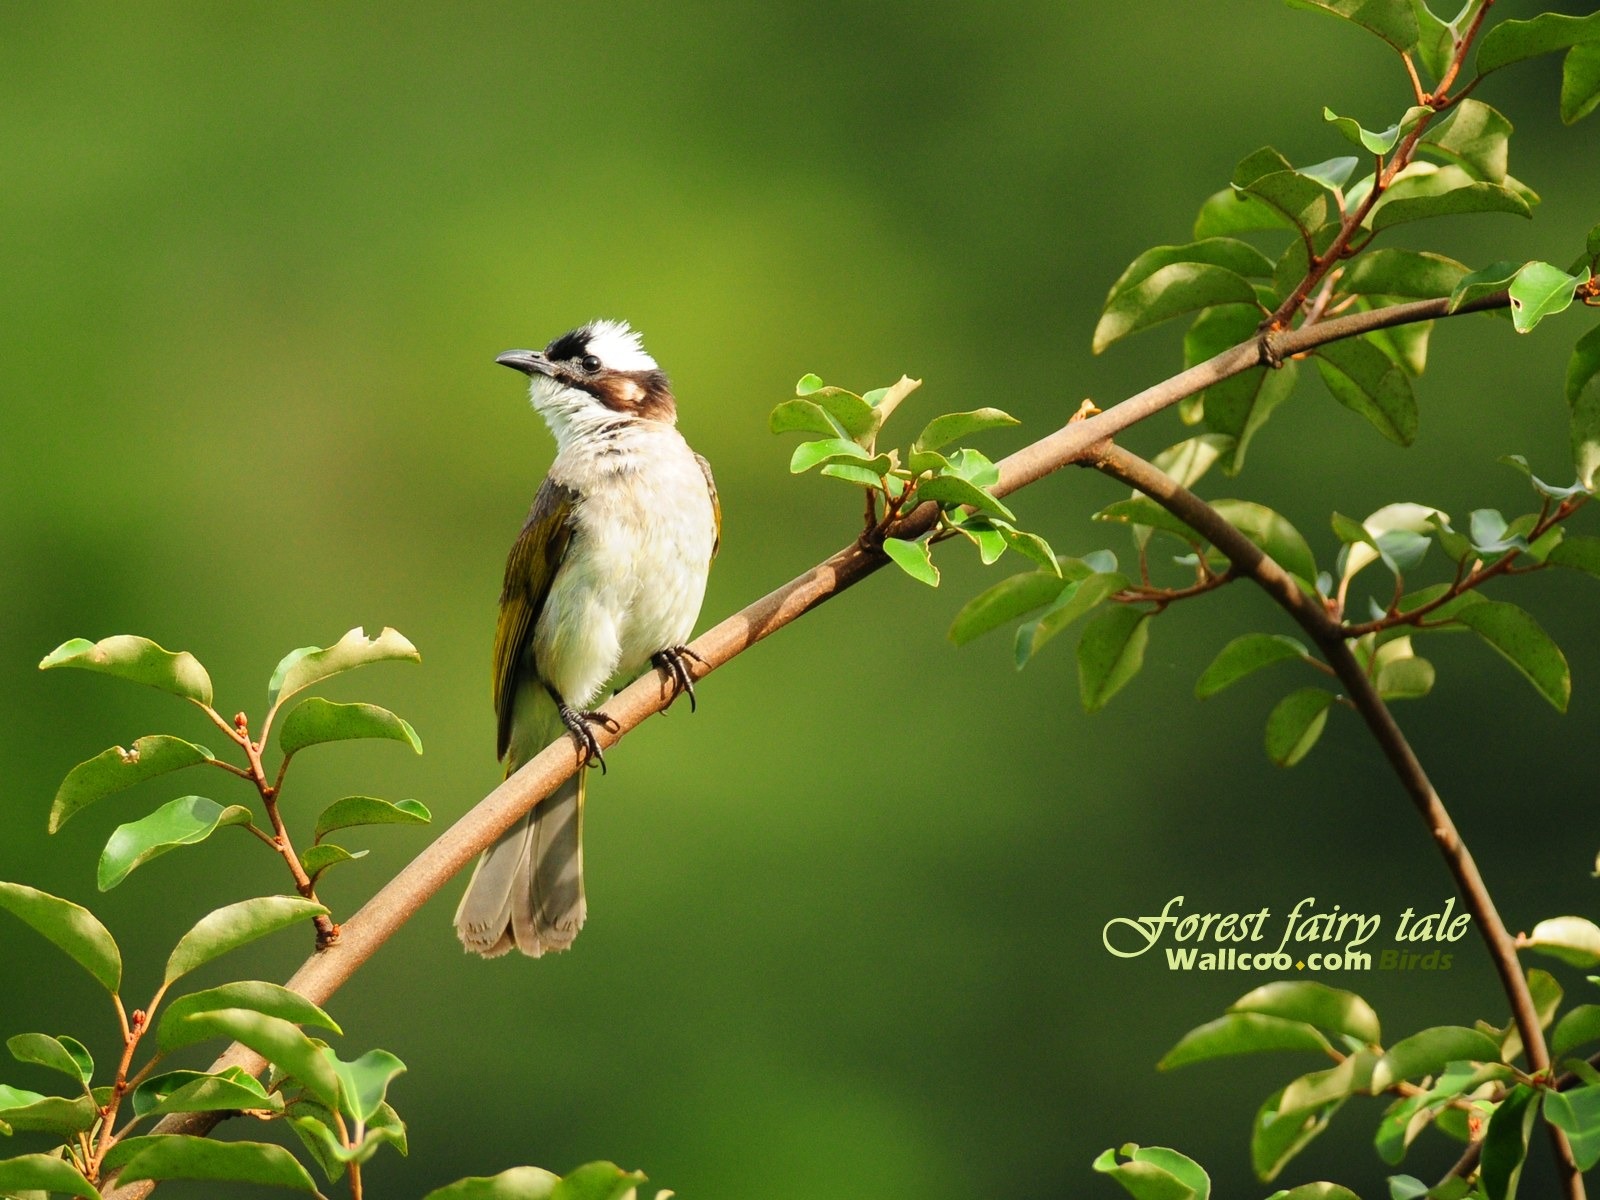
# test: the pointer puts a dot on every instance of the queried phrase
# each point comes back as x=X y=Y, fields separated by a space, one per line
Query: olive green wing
x=535 y=557
x=716 y=504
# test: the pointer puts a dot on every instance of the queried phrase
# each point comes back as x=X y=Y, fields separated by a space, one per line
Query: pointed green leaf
x=808 y=383
x=1242 y=1033
x=519 y=1183
x=1239 y=257
x=1187 y=462
x=941 y=431
x=1390 y=272
x=369 y=810
x=1329 y=1008
x=1475 y=137
x=1541 y=290
x=174 y=1033
x=1579 y=552
x=1155 y=1173
x=64 y=1054
x=1513 y=41
x=1366 y=381
x=232 y=926
x=138 y=660
x=1505 y=1143
x=1377 y=143
x=1334 y=172
x=115 y=769
x=1436 y=43
x=317 y=720
x=1578 y=1027
x=1110 y=653
x=1519 y=638
x=886 y=400
x=311 y=664
x=1392 y=20
x=364 y=1082
x=183 y=1156
x=44 y=1173
x=192 y=1091
x=73 y=928
x=1577 y=1114
x=1428 y=1053
x=1245 y=655
x=1238 y=406
x=1425 y=191
x=1273 y=533
x=29 y=1112
x=316 y=860
x=848 y=411
x=1276 y=1137
x=1169 y=292
x=1580 y=82
x=1145 y=512
x=181 y=822
x=951 y=490
x=1294 y=726
x=1005 y=601
x=913 y=558
x=1077 y=598
x=1574 y=940
x=810 y=454
x=1029 y=545
x=1230 y=211
x=802 y=416
x=276 y=1040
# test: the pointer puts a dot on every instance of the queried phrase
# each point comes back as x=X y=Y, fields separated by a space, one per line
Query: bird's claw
x=671 y=661
x=578 y=723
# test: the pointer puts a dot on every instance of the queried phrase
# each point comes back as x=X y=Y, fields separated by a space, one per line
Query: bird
x=606 y=578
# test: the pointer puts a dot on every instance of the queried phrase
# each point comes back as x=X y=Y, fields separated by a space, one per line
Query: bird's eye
x=590 y=363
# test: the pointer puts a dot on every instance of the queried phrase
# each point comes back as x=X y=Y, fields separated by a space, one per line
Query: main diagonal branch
x=361 y=936
x=1249 y=559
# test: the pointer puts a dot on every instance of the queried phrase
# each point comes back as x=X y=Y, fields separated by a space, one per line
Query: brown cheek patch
x=645 y=394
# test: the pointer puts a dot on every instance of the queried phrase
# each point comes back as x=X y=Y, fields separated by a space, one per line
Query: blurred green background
x=845 y=921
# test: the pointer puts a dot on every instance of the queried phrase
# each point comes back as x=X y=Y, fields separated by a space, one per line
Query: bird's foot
x=578 y=723
x=671 y=660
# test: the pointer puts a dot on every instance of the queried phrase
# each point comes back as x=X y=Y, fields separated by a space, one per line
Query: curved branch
x=325 y=971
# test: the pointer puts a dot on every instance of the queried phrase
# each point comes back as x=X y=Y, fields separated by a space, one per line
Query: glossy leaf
x=312 y=664
x=74 y=929
x=138 y=660
x=1514 y=41
x=886 y=400
x=1580 y=82
x=234 y=925
x=1229 y=212
x=1141 y=511
x=364 y=1082
x=316 y=860
x=181 y=822
x=1392 y=20
x=1076 y=599
x=1519 y=638
x=64 y=1054
x=1004 y=602
x=116 y=769
x=802 y=416
x=1333 y=172
x=1188 y=461
x=1583 y=401
x=848 y=411
x=1298 y=197
x=193 y=1091
x=1400 y=674
x=29 y=1112
x=1579 y=552
x=1029 y=545
x=1242 y=1033
x=1425 y=191
x=1505 y=1143
x=44 y=1173
x=1110 y=653
x=1476 y=137
x=950 y=490
x=810 y=454
x=941 y=431
x=519 y=1183
x=1329 y=1008
x=1239 y=257
x=1435 y=45
x=1296 y=723
x=1574 y=940
x=183 y=1156
x=275 y=1039
x=173 y=1032
x=1238 y=406
x=1318 y=1089
x=1366 y=381
x=369 y=810
x=1276 y=1137
x=1273 y=533
x=1169 y=292
x=1155 y=1173
x=1428 y=1052
x=913 y=558
x=1377 y=143
x=1244 y=656
x=1577 y=1027
x=1577 y=1114
x=316 y=720
x=1410 y=273
x=1541 y=290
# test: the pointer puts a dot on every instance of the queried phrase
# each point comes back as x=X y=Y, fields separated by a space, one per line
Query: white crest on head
x=617 y=346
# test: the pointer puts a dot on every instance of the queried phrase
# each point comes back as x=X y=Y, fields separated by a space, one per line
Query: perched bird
x=606 y=576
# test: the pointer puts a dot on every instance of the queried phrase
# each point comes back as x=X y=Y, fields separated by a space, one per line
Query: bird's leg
x=578 y=723
x=671 y=661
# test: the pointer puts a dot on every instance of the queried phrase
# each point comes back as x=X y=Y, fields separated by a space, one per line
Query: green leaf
x=1424 y=191
x=886 y=400
x=1245 y=655
x=1392 y=20
x=948 y=490
x=29 y=1112
x=1583 y=399
x=232 y=926
x=861 y=476
x=1476 y=138
x=913 y=558
x=1229 y=253
x=848 y=411
x=1518 y=637
x=1169 y=292
x=64 y=1054
x=1410 y=273
x=317 y=720
x=1428 y=1053
x=1576 y=1028
x=181 y=822
x=808 y=383
x=1505 y=1143
x=1110 y=653
x=182 y=1156
x=275 y=1039
x=1029 y=545
x=1242 y=1033
x=810 y=454
x=1238 y=406
x=1496 y=277
x=802 y=416
x=1230 y=211
x=1276 y=1137
x=1377 y=143
x=519 y=1183
x=1329 y=1008
x=115 y=769
x=1334 y=172
x=369 y=810
x=991 y=543
x=174 y=1032
x=73 y=928
x=1294 y=726
x=1320 y=1088
x=1400 y=674
x=192 y=1091
x=1365 y=380
x=1005 y=601
x=598 y=1181
x=44 y=1173
x=1188 y=461
x=311 y=664
x=1141 y=511
x=364 y=1082
x=1155 y=1173
x=1514 y=41
x=1580 y=82
x=1301 y=199
x=1541 y=290
x=1578 y=552
x=1273 y=533
x=941 y=431
x=316 y=860
x=1074 y=600
x=1574 y=940
x=1577 y=1114
x=138 y=660
x=1436 y=43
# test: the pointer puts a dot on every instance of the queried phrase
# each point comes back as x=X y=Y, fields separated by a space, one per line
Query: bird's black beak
x=529 y=362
